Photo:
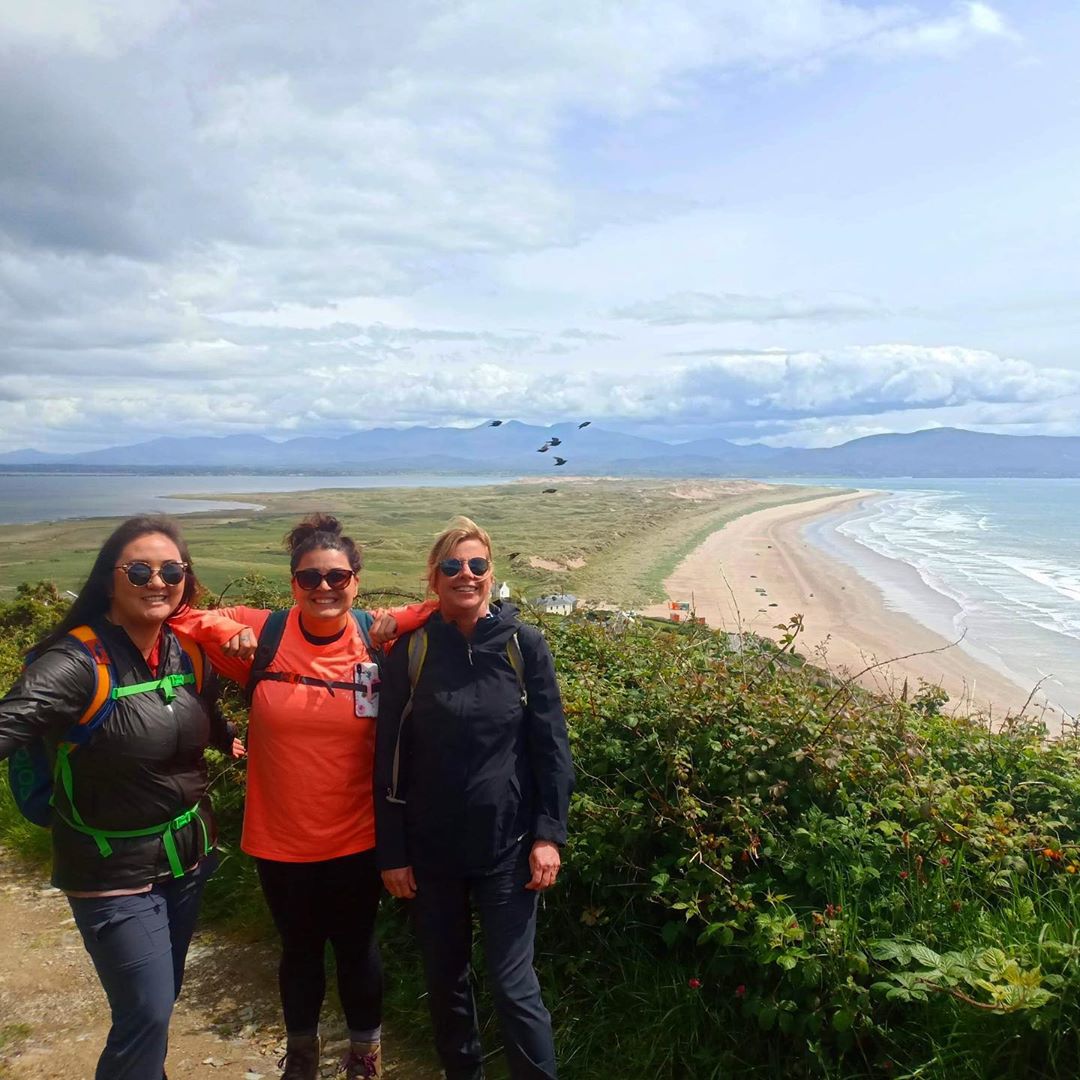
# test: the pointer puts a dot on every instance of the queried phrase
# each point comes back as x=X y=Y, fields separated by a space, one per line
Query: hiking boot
x=301 y=1060
x=363 y=1060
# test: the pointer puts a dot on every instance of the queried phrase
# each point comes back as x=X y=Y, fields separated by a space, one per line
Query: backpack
x=418 y=649
x=33 y=772
x=270 y=639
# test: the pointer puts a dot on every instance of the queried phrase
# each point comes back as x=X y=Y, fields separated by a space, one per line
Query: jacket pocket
x=509 y=817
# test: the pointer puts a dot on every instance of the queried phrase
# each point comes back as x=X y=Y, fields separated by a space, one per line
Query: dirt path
x=54 y=1017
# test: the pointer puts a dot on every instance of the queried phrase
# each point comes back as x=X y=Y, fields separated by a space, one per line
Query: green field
x=617 y=538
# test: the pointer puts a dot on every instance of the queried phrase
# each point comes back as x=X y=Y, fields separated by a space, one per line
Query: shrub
x=794 y=874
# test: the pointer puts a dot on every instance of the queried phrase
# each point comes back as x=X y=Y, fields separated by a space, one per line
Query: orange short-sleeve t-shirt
x=310 y=756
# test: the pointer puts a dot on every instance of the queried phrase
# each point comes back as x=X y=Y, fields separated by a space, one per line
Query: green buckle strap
x=101 y=837
x=167 y=685
x=174 y=826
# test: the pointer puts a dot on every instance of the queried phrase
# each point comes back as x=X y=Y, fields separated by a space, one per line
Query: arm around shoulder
x=215 y=626
x=217 y=630
x=388 y=624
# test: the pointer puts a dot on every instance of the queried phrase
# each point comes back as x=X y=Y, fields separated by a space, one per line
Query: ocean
x=997 y=564
x=48 y=496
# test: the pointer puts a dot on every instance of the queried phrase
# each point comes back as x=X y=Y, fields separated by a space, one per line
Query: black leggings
x=312 y=903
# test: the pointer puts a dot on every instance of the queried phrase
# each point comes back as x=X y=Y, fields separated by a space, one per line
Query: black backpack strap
x=269 y=640
x=418 y=648
x=363 y=625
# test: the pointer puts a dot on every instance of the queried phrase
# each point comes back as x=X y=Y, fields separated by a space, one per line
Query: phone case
x=367 y=692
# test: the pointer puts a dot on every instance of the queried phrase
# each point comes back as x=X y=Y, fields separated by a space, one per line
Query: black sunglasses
x=310 y=579
x=141 y=573
x=478 y=566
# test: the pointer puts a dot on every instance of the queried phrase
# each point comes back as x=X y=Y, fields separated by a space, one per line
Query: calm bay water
x=38 y=496
x=998 y=563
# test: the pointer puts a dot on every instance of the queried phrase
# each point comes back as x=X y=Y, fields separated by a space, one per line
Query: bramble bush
x=771 y=869
x=770 y=872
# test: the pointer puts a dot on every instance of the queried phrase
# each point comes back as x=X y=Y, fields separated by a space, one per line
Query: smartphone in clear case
x=367 y=690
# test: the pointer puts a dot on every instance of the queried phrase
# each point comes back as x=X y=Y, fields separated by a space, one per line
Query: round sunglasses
x=310 y=579
x=141 y=573
x=478 y=566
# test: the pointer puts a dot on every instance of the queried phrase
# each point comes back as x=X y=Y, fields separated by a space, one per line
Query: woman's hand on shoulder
x=544 y=861
x=242 y=646
x=384 y=628
x=400 y=882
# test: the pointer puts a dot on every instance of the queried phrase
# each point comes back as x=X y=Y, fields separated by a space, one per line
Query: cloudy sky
x=797 y=221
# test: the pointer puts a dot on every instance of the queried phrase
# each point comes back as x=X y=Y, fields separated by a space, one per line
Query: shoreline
x=759 y=570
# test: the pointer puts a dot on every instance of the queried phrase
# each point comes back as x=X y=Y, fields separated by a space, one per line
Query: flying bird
x=554 y=442
x=543 y=449
x=560 y=461
x=495 y=423
x=584 y=423
x=549 y=491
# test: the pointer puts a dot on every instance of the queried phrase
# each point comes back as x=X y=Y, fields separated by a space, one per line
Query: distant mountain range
x=511 y=448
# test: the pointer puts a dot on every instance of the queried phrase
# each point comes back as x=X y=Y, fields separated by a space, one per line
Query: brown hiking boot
x=301 y=1060
x=363 y=1060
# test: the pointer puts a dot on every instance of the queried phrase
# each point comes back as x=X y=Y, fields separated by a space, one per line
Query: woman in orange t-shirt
x=309 y=814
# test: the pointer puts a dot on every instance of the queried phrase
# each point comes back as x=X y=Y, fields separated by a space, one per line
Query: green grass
x=13 y=1033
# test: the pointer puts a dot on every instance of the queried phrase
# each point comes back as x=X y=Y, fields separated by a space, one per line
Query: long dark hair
x=95 y=596
x=321 y=532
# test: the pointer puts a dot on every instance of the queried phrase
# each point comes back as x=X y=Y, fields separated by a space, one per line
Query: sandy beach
x=758 y=571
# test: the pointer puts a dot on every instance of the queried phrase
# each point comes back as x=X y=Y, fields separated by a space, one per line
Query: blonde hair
x=460 y=528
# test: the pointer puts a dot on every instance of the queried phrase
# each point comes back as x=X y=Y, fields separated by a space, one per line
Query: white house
x=557 y=603
x=504 y=591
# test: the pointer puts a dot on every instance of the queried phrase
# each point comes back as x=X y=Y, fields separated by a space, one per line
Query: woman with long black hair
x=124 y=708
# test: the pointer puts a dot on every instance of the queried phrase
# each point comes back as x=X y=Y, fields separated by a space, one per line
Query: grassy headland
x=618 y=539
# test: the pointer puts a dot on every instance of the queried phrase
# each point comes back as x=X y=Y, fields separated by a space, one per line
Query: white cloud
x=945 y=36
x=866 y=379
x=346 y=383
x=680 y=309
x=355 y=152
x=102 y=27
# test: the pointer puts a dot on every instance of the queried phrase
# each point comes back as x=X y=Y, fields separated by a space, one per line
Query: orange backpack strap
x=196 y=658
x=103 y=673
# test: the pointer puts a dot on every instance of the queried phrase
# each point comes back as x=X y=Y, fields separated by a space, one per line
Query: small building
x=680 y=611
x=504 y=591
x=557 y=603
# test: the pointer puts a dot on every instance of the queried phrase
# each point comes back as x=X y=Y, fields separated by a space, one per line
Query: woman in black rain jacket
x=472 y=786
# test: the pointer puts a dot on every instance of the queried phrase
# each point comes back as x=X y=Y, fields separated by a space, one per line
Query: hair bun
x=312 y=524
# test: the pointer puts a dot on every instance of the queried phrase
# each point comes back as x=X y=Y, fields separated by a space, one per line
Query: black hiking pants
x=442 y=915
x=335 y=901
